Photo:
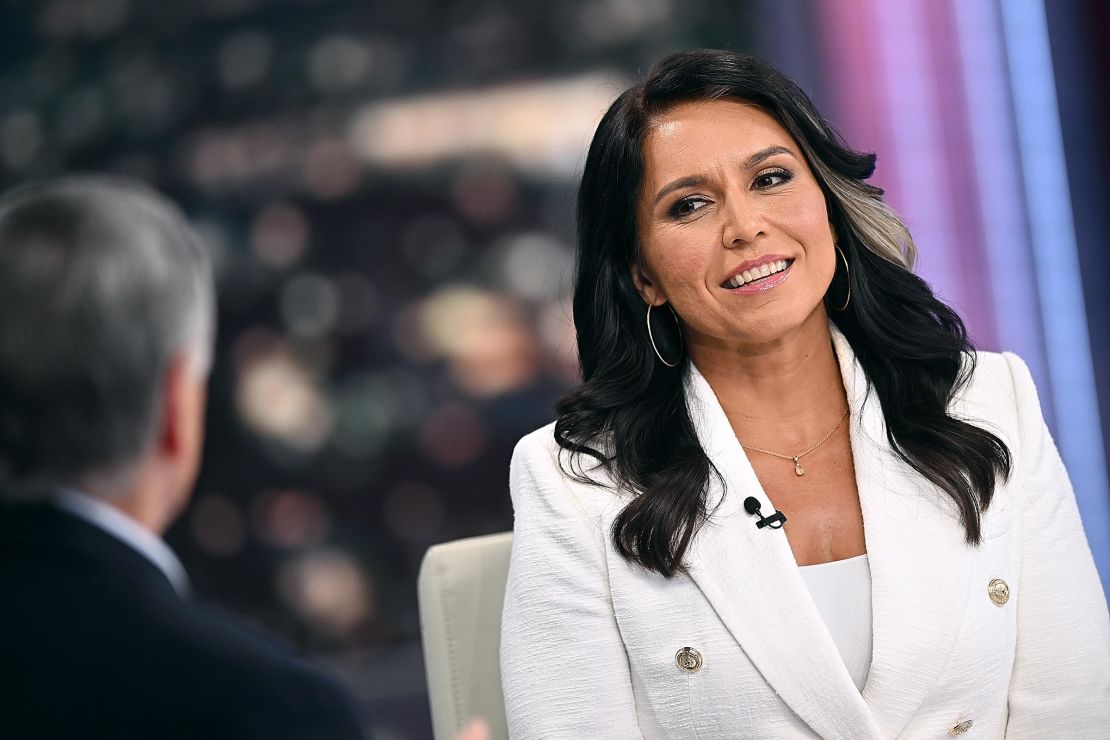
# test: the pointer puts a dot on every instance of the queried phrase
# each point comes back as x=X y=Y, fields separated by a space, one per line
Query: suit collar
x=44 y=533
x=918 y=572
x=127 y=530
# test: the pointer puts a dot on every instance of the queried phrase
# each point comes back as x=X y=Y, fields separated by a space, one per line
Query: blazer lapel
x=919 y=562
x=751 y=579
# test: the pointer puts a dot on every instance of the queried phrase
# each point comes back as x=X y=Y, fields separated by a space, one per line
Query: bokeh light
x=279 y=235
x=288 y=519
x=328 y=589
x=278 y=398
x=482 y=335
x=217 y=525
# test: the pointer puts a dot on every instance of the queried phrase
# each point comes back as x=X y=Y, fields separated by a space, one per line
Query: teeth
x=756 y=273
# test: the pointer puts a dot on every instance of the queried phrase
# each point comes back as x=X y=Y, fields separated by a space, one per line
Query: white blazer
x=589 y=641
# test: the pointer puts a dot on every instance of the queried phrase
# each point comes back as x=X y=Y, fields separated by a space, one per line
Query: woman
x=751 y=335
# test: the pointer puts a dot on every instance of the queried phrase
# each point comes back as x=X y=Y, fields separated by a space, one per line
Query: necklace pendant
x=798 y=469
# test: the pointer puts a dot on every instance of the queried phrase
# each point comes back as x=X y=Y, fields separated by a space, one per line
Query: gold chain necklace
x=796 y=459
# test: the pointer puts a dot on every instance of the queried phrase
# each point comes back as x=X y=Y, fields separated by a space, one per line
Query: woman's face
x=728 y=202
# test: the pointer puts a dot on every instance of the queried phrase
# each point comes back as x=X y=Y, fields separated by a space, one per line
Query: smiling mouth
x=756 y=274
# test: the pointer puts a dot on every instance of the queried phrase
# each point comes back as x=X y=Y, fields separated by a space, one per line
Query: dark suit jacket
x=96 y=643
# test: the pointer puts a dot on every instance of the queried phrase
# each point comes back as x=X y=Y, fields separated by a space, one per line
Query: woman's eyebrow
x=683 y=182
x=695 y=180
x=763 y=154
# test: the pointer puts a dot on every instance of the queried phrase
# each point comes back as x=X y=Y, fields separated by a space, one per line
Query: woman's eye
x=686 y=207
x=770 y=178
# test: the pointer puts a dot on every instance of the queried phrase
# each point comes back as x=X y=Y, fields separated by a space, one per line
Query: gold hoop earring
x=651 y=336
x=848 y=274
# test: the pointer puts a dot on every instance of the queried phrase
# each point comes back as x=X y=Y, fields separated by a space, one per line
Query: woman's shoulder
x=999 y=376
x=541 y=448
x=537 y=445
x=542 y=470
x=1000 y=391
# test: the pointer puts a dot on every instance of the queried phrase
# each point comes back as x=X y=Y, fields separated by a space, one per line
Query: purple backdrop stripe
x=996 y=173
x=917 y=124
x=965 y=245
x=851 y=64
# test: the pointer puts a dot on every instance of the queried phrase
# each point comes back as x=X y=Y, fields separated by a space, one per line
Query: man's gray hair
x=102 y=282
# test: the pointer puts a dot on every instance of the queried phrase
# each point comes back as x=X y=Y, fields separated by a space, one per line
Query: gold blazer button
x=688 y=660
x=961 y=728
x=999 y=591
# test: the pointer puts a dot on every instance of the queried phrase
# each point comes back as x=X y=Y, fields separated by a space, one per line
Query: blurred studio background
x=387 y=187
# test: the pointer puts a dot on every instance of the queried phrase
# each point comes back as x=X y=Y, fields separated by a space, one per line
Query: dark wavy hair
x=629 y=414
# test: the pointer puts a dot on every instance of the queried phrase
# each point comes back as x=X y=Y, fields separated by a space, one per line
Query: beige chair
x=461 y=587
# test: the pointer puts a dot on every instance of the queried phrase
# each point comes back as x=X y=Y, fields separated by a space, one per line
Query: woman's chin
x=777 y=328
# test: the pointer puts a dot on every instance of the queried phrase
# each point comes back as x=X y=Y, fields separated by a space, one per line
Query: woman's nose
x=743 y=224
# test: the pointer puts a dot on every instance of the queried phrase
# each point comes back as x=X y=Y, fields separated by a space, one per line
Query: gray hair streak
x=876 y=224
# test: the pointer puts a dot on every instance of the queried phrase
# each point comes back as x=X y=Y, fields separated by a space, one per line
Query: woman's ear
x=645 y=285
x=832 y=231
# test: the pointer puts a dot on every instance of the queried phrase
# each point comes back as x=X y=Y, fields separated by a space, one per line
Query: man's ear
x=175 y=379
x=181 y=434
x=648 y=289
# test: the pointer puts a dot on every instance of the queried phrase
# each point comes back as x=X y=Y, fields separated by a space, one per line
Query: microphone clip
x=775 y=521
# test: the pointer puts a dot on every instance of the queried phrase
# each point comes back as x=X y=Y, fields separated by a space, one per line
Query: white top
x=108 y=518
x=842 y=591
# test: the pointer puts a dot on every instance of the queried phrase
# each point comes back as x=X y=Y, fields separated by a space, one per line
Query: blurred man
x=106 y=334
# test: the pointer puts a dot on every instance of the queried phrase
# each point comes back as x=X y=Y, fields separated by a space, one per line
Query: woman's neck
x=786 y=393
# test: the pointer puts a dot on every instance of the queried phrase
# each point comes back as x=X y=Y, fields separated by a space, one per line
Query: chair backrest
x=461 y=588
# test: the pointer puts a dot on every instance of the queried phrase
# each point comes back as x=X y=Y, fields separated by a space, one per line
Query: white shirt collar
x=108 y=518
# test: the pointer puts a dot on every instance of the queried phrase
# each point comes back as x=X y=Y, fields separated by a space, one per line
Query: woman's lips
x=761 y=285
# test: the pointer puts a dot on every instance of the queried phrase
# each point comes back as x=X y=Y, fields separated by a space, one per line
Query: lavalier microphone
x=775 y=521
